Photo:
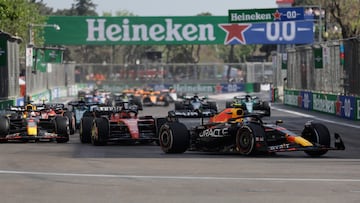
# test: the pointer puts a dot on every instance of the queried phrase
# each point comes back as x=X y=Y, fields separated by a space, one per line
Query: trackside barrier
x=338 y=105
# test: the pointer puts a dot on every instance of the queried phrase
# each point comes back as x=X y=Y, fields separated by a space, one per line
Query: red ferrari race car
x=117 y=124
x=233 y=131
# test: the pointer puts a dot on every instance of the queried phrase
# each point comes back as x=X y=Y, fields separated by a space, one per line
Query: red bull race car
x=233 y=130
x=27 y=123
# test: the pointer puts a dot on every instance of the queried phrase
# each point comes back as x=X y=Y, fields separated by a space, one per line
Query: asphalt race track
x=82 y=173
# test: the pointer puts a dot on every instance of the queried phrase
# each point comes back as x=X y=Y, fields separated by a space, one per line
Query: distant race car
x=117 y=124
x=155 y=98
x=27 y=123
x=117 y=99
x=252 y=104
x=195 y=106
x=79 y=108
x=234 y=131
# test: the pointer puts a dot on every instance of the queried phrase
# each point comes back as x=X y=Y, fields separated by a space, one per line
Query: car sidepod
x=174 y=137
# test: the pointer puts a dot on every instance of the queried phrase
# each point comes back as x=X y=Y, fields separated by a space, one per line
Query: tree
x=15 y=18
x=339 y=16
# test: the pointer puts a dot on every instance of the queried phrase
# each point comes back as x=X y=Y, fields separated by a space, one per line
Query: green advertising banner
x=324 y=103
x=318 y=57
x=132 y=30
x=291 y=97
x=53 y=56
x=3 y=50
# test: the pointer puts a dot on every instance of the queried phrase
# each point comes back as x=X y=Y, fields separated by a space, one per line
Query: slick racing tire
x=4 y=128
x=267 y=109
x=72 y=122
x=100 y=132
x=317 y=133
x=245 y=138
x=174 y=138
x=62 y=129
x=85 y=129
x=137 y=102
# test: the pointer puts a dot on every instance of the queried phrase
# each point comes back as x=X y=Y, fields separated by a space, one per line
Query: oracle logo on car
x=216 y=132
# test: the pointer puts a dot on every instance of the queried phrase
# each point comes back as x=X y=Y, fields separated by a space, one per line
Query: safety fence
x=322 y=77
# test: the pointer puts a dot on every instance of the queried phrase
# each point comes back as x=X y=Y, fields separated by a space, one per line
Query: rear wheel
x=137 y=102
x=317 y=133
x=174 y=137
x=62 y=129
x=85 y=129
x=72 y=122
x=245 y=139
x=100 y=131
x=267 y=109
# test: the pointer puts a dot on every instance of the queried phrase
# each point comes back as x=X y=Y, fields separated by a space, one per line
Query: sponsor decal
x=323 y=104
x=214 y=132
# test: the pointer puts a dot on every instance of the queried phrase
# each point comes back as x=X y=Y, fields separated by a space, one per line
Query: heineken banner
x=266 y=15
x=132 y=30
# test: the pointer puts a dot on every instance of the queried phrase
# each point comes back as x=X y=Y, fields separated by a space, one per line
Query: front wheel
x=174 y=138
x=62 y=129
x=85 y=129
x=317 y=134
x=72 y=122
x=100 y=131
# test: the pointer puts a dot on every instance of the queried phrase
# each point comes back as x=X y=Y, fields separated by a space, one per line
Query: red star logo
x=218 y=88
x=338 y=106
x=235 y=31
x=277 y=15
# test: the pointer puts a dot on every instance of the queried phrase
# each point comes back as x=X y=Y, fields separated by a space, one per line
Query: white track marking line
x=315 y=118
x=209 y=178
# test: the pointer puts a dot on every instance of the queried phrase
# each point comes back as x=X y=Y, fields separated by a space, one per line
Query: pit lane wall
x=47 y=95
x=343 y=106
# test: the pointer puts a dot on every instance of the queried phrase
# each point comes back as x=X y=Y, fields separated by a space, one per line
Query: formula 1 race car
x=25 y=123
x=155 y=98
x=246 y=134
x=252 y=104
x=195 y=106
x=117 y=99
x=117 y=124
x=79 y=108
